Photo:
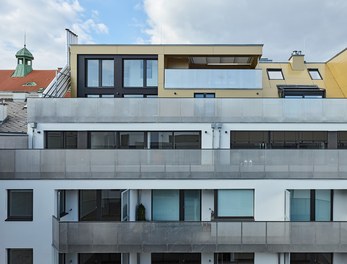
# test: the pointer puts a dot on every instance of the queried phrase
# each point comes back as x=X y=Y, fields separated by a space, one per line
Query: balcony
x=213 y=79
x=153 y=110
x=173 y=164
x=92 y=237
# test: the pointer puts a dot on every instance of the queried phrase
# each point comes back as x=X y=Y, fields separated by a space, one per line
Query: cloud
x=317 y=27
x=44 y=22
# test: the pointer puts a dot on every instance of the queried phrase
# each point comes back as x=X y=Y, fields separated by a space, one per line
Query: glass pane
x=323 y=205
x=311 y=258
x=20 y=256
x=161 y=140
x=235 y=203
x=199 y=95
x=21 y=204
x=103 y=258
x=92 y=73
x=176 y=258
x=315 y=75
x=210 y=95
x=233 y=258
x=103 y=140
x=132 y=140
x=107 y=73
x=192 y=205
x=54 y=140
x=88 y=205
x=187 y=140
x=275 y=74
x=165 y=205
x=110 y=205
x=300 y=205
x=70 y=140
x=133 y=73
x=152 y=73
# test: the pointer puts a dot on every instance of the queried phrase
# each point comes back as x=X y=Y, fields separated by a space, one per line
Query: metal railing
x=142 y=110
x=59 y=85
x=89 y=237
x=172 y=164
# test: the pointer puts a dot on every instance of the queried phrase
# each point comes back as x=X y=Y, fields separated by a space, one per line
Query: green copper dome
x=24 y=52
x=24 y=63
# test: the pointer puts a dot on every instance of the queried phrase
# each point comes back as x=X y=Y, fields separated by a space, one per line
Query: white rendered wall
x=265 y=258
x=339 y=206
x=207 y=258
x=207 y=204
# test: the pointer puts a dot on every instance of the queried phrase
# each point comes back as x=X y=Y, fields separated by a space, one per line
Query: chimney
x=297 y=61
x=3 y=111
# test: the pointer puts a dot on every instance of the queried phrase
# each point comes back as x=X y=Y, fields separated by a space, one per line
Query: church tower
x=24 y=63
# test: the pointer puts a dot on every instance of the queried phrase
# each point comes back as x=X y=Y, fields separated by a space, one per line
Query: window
x=175 y=140
x=176 y=258
x=310 y=205
x=61 y=139
x=233 y=258
x=176 y=205
x=103 y=140
x=20 y=205
x=112 y=140
x=314 y=74
x=100 y=73
x=100 y=205
x=19 y=256
x=249 y=139
x=311 y=258
x=234 y=203
x=132 y=140
x=140 y=73
x=87 y=258
x=61 y=203
x=275 y=74
x=342 y=139
x=204 y=95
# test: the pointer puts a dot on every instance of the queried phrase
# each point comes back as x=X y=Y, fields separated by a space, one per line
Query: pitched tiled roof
x=15 y=84
x=16 y=118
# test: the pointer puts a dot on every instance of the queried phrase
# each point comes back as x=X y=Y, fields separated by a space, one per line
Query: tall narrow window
x=20 y=205
x=133 y=73
x=191 y=205
x=92 y=73
x=152 y=73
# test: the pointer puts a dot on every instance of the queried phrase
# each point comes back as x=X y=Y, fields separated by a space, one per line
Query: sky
x=316 y=27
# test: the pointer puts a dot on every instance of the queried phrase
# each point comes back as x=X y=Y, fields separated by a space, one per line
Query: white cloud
x=44 y=22
x=317 y=27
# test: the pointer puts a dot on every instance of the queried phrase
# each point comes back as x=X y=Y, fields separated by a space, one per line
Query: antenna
x=25 y=39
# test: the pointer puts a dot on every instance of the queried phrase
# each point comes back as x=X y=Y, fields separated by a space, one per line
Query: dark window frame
x=19 y=218
x=205 y=95
x=18 y=249
x=100 y=66
x=232 y=218
x=181 y=216
x=61 y=201
x=117 y=89
x=313 y=205
x=274 y=70
x=144 y=74
x=64 y=135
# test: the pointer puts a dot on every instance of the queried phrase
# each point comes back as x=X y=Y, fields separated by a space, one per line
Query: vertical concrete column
x=161 y=73
x=332 y=140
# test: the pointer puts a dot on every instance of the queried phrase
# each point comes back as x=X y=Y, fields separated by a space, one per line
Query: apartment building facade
x=182 y=154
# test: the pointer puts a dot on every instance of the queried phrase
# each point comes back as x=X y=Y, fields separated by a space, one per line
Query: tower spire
x=25 y=39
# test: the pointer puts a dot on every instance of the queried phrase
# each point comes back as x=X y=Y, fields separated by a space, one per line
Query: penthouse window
x=311 y=205
x=61 y=139
x=20 y=205
x=314 y=74
x=100 y=73
x=19 y=256
x=275 y=74
x=234 y=204
x=140 y=73
x=311 y=258
x=88 y=258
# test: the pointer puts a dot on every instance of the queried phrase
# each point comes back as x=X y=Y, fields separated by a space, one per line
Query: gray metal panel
x=92 y=237
x=173 y=164
x=152 y=110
